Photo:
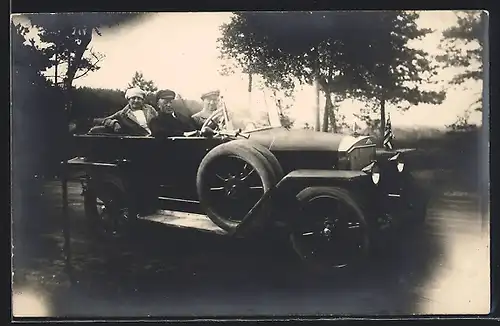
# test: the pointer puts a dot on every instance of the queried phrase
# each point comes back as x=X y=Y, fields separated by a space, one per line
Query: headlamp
x=375 y=174
x=374 y=171
x=400 y=165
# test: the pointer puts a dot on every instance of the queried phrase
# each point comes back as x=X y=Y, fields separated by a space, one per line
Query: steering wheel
x=211 y=120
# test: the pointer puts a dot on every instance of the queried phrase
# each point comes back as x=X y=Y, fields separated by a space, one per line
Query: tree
x=464 y=45
x=66 y=38
x=139 y=81
x=349 y=54
x=36 y=124
x=27 y=61
x=396 y=73
x=259 y=43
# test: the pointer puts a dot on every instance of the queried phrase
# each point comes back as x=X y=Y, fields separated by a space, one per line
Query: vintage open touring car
x=332 y=195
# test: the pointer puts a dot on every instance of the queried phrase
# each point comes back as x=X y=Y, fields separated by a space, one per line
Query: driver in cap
x=210 y=105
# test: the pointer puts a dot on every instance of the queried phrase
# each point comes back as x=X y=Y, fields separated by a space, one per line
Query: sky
x=179 y=51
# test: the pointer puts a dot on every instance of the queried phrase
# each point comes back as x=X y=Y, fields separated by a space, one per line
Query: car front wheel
x=330 y=230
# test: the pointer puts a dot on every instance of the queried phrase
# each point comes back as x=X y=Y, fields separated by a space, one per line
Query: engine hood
x=282 y=139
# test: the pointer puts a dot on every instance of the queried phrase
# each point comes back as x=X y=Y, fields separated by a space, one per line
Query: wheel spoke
x=248 y=175
x=221 y=178
x=234 y=186
x=329 y=232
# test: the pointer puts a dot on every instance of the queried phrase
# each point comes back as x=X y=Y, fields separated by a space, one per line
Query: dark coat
x=128 y=122
x=166 y=125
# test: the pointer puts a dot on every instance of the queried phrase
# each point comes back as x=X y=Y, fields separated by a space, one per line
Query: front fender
x=279 y=202
x=297 y=180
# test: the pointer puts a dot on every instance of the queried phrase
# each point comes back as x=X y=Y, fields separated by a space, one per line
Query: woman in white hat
x=135 y=117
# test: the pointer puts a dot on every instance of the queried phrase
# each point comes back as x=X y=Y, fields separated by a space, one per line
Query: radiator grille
x=361 y=157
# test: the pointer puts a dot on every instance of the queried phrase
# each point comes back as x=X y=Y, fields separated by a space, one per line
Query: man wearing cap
x=170 y=122
x=134 y=118
x=210 y=101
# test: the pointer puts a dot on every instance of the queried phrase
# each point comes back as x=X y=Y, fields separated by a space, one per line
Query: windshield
x=246 y=119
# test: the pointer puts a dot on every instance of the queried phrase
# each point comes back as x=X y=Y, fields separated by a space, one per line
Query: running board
x=184 y=220
x=178 y=204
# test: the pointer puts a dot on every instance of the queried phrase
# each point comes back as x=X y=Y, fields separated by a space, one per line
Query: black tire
x=111 y=191
x=225 y=211
x=306 y=219
x=273 y=161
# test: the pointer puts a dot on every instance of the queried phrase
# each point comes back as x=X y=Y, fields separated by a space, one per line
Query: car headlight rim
x=375 y=178
x=400 y=166
x=374 y=171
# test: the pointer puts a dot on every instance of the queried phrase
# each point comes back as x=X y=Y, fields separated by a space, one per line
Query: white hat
x=215 y=93
x=134 y=92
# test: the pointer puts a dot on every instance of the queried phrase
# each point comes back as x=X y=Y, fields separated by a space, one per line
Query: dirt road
x=170 y=272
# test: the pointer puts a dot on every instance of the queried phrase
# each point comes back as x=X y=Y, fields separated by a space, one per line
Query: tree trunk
x=382 y=121
x=318 y=88
x=331 y=113
x=250 y=82
x=67 y=83
x=56 y=71
x=250 y=90
x=317 y=113
x=73 y=68
x=328 y=114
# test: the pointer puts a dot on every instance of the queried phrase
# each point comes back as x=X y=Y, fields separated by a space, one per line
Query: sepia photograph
x=252 y=164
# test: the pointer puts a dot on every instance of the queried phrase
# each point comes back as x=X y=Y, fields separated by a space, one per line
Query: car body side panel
x=178 y=164
x=170 y=163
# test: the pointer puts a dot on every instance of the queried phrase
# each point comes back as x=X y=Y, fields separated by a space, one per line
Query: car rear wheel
x=106 y=209
x=330 y=231
x=231 y=179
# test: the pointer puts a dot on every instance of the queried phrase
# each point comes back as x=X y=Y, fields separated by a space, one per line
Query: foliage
x=394 y=71
x=138 y=80
x=65 y=37
x=464 y=45
x=351 y=54
x=97 y=102
x=462 y=123
x=25 y=56
x=370 y=115
x=36 y=123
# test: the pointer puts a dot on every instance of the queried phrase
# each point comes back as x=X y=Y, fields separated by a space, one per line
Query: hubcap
x=110 y=216
x=234 y=186
x=334 y=239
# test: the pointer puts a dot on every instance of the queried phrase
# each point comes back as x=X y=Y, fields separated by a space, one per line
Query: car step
x=184 y=220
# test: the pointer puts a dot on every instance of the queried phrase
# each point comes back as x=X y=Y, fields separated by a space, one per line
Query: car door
x=180 y=158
